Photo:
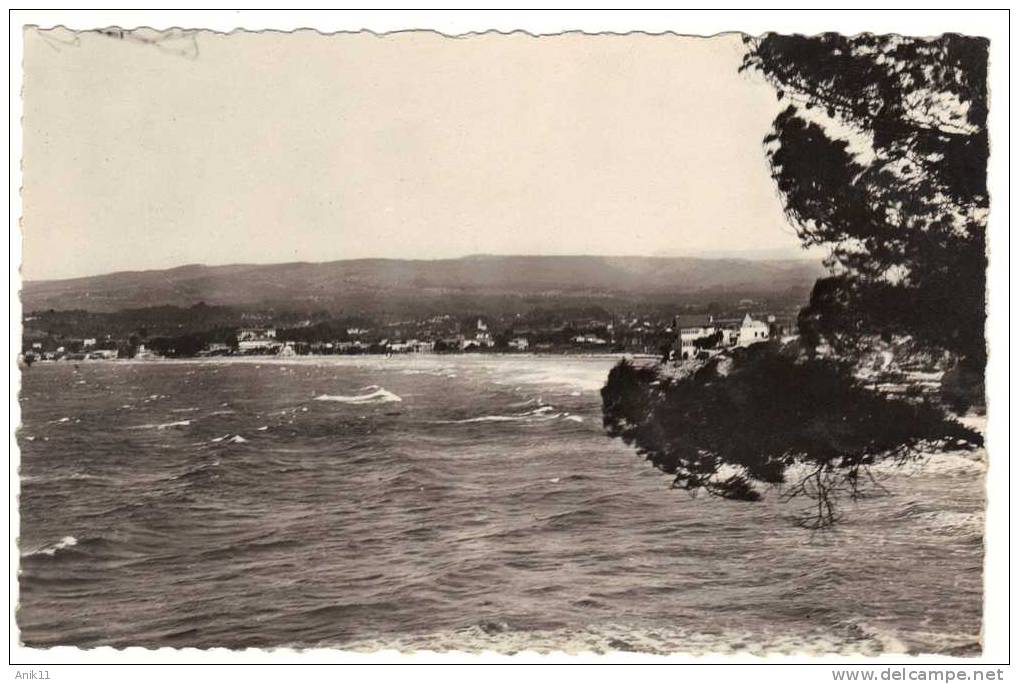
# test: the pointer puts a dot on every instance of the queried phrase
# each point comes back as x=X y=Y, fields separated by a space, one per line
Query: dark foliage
x=155 y=321
x=325 y=331
x=750 y=418
x=187 y=344
x=708 y=341
x=881 y=156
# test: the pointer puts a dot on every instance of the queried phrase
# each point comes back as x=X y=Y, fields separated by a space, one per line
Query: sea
x=447 y=503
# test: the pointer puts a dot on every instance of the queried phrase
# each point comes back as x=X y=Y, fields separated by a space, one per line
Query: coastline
x=262 y=358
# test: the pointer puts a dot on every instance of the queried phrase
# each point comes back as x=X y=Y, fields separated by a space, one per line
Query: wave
x=233 y=439
x=955 y=463
x=950 y=524
x=502 y=636
x=536 y=401
x=197 y=471
x=954 y=524
x=375 y=395
x=162 y=426
x=885 y=639
x=64 y=543
x=541 y=413
x=72 y=477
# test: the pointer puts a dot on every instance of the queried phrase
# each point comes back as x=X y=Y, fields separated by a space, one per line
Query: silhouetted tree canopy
x=749 y=418
x=881 y=156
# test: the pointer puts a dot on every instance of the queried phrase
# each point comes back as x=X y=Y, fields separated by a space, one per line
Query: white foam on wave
x=955 y=463
x=162 y=426
x=498 y=636
x=536 y=401
x=486 y=419
x=566 y=375
x=233 y=439
x=51 y=550
x=542 y=413
x=374 y=395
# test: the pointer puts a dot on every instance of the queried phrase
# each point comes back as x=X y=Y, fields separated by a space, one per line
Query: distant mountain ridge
x=367 y=284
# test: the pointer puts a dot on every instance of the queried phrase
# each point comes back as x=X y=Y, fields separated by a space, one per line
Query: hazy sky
x=285 y=147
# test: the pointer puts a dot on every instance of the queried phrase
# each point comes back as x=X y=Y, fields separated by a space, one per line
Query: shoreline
x=261 y=358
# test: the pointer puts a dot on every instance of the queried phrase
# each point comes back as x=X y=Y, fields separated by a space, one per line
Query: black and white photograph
x=590 y=343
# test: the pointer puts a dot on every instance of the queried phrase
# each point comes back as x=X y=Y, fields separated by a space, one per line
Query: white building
x=258 y=341
x=687 y=336
x=143 y=353
x=248 y=334
x=748 y=332
x=589 y=339
x=751 y=332
x=401 y=347
x=519 y=344
x=480 y=341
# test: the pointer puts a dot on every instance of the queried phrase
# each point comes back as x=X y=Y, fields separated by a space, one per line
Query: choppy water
x=444 y=503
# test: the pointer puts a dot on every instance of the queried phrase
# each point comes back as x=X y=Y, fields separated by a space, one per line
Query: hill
x=373 y=285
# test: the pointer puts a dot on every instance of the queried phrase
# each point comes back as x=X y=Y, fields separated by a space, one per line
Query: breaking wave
x=542 y=413
x=64 y=543
x=233 y=439
x=375 y=395
x=498 y=635
x=162 y=426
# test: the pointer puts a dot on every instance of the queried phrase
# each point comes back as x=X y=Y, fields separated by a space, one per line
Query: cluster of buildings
x=87 y=349
x=680 y=338
x=707 y=338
